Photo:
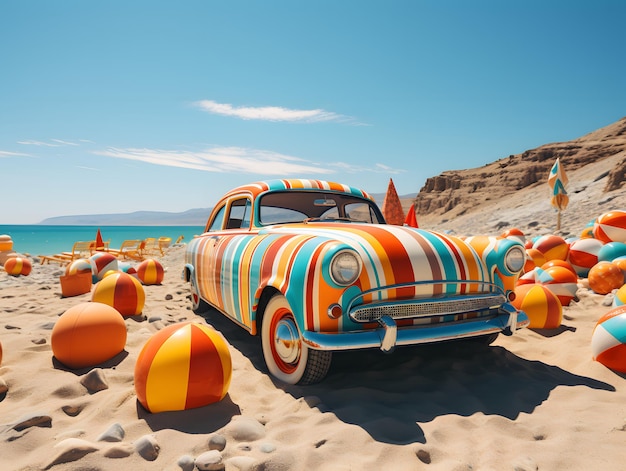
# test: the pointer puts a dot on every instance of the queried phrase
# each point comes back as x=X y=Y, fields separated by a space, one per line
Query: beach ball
x=16 y=266
x=611 y=250
x=604 y=277
x=121 y=291
x=559 y=263
x=583 y=254
x=611 y=227
x=102 y=262
x=620 y=297
x=608 y=341
x=181 y=367
x=621 y=263
x=88 y=334
x=561 y=281
x=552 y=247
x=515 y=234
x=150 y=272
x=530 y=277
x=542 y=307
x=126 y=267
x=534 y=258
x=80 y=265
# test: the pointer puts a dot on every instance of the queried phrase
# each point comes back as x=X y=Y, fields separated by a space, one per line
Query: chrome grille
x=431 y=307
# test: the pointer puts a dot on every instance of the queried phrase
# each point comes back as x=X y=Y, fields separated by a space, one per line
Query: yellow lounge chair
x=129 y=250
x=80 y=249
x=151 y=247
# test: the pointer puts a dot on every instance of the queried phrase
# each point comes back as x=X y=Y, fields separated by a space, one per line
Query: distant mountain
x=191 y=217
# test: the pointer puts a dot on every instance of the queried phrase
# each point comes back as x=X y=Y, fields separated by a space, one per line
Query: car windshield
x=298 y=206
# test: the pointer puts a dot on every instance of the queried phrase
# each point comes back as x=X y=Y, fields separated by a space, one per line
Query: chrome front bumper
x=388 y=336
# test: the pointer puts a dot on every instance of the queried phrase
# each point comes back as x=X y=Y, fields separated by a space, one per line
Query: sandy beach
x=533 y=401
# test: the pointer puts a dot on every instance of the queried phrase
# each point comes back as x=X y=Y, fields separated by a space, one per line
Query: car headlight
x=515 y=259
x=345 y=267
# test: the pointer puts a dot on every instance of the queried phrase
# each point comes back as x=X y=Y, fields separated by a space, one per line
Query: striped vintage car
x=312 y=267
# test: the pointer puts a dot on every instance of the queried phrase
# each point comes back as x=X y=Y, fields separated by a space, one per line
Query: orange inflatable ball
x=604 y=277
x=81 y=265
x=534 y=258
x=543 y=308
x=88 y=334
x=16 y=266
x=611 y=227
x=552 y=247
x=561 y=281
x=515 y=234
x=150 y=272
x=121 y=291
x=560 y=263
x=183 y=366
x=608 y=341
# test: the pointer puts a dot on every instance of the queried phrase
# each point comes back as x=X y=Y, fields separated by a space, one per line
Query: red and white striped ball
x=552 y=247
x=88 y=334
x=611 y=227
x=122 y=292
x=620 y=297
x=608 y=341
x=183 y=366
x=150 y=272
x=16 y=266
x=102 y=262
x=542 y=307
x=560 y=263
x=81 y=265
x=604 y=277
x=561 y=281
x=583 y=254
x=534 y=258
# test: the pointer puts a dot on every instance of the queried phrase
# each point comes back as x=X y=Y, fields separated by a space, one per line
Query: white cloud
x=270 y=113
x=221 y=160
x=52 y=143
x=6 y=153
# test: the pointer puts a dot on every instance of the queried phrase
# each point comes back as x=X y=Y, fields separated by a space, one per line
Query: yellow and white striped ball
x=543 y=308
x=183 y=366
x=608 y=341
x=16 y=266
x=611 y=227
x=150 y=272
x=122 y=292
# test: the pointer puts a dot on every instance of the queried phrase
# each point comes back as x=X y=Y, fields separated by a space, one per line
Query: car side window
x=239 y=216
x=216 y=224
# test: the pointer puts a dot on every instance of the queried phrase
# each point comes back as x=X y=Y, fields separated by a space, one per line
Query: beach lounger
x=80 y=249
x=131 y=249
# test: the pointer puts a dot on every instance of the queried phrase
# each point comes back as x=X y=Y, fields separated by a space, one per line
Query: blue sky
x=114 y=107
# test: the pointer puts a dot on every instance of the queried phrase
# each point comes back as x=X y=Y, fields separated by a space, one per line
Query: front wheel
x=287 y=357
x=198 y=305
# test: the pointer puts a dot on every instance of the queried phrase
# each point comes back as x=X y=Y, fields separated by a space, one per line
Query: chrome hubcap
x=287 y=341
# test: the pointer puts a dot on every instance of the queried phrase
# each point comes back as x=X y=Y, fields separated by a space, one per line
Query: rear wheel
x=287 y=357
x=198 y=305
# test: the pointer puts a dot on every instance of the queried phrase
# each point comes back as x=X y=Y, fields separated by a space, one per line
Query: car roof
x=257 y=188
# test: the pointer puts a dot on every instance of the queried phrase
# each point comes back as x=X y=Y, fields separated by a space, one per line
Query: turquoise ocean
x=40 y=239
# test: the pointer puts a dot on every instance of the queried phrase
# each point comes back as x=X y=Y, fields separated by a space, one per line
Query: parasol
x=557 y=181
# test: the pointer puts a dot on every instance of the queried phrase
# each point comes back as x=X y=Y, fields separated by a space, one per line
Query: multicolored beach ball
x=150 y=272
x=583 y=254
x=611 y=250
x=101 y=263
x=552 y=247
x=611 y=227
x=534 y=258
x=561 y=281
x=183 y=366
x=515 y=234
x=88 y=334
x=16 y=266
x=81 y=265
x=122 y=292
x=543 y=308
x=604 y=277
x=620 y=297
x=608 y=341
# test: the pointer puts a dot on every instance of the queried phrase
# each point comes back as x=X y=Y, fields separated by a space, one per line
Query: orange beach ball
x=121 y=291
x=16 y=266
x=604 y=277
x=88 y=334
x=150 y=272
x=183 y=366
x=541 y=305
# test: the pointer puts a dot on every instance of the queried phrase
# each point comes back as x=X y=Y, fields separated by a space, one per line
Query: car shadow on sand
x=389 y=395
